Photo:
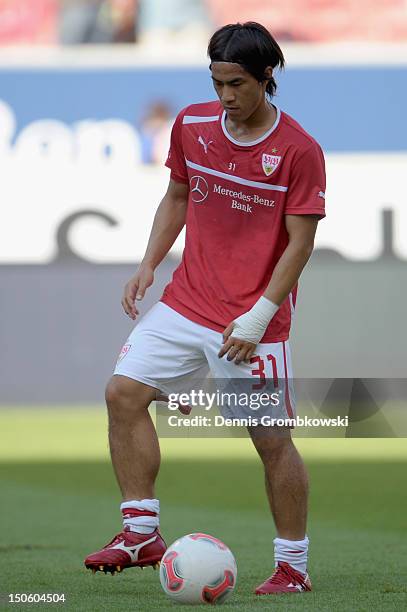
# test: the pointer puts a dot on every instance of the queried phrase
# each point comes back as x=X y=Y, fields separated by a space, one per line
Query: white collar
x=252 y=142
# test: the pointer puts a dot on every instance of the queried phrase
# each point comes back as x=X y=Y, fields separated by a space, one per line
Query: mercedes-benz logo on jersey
x=199 y=189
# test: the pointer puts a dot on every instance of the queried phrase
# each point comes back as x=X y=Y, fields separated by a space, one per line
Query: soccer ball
x=198 y=568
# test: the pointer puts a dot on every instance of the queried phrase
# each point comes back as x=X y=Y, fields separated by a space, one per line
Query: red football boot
x=284 y=580
x=128 y=549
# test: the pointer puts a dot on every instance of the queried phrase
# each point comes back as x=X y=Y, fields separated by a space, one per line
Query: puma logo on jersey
x=204 y=144
x=133 y=551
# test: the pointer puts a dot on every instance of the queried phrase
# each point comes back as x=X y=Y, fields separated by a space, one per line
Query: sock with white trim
x=294 y=552
x=141 y=516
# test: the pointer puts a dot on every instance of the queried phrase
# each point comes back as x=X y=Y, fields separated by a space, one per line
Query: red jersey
x=235 y=231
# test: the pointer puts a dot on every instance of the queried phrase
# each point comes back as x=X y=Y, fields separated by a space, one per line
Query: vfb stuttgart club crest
x=270 y=163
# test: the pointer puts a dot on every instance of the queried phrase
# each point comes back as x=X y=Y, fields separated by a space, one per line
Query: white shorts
x=169 y=352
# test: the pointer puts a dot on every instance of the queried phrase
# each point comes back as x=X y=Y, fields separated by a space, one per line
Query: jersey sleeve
x=176 y=159
x=306 y=190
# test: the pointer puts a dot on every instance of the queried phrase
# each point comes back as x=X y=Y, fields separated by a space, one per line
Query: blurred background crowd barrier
x=84 y=131
x=124 y=21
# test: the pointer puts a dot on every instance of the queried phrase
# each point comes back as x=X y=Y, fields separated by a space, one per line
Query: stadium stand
x=121 y=21
x=320 y=20
x=28 y=22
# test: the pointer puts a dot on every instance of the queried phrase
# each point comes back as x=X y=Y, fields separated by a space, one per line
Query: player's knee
x=125 y=395
x=113 y=393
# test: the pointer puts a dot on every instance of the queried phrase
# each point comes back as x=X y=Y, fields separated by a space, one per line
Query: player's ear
x=268 y=72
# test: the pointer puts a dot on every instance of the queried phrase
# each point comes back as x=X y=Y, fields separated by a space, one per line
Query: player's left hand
x=237 y=350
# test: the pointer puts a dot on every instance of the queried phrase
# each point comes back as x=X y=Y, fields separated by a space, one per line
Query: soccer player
x=249 y=184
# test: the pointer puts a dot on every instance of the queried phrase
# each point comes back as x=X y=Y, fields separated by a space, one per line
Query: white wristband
x=252 y=325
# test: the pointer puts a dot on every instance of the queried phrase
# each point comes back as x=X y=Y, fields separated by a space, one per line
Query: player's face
x=239 y=92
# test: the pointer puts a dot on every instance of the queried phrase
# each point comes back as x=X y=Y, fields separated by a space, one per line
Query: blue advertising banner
x=346 y=109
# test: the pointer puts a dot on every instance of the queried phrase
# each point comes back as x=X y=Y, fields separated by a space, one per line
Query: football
x=197 y=569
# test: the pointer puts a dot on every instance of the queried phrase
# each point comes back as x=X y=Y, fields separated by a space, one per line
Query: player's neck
x=255 y=126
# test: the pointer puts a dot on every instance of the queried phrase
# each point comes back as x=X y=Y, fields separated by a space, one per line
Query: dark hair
x=250 y=45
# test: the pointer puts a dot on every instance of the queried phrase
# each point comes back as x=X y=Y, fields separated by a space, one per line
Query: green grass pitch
x=60 y=502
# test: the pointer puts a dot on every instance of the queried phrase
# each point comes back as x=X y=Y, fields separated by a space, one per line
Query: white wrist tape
x=251 y=325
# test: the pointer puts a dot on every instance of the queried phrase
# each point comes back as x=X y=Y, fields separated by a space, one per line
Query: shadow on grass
x=355 y=493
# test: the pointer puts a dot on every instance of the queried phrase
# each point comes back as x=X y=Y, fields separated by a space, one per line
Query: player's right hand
x=136 y=288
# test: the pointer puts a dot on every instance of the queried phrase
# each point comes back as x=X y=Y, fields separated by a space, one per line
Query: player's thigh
x=269 y=372
x=162 y=348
